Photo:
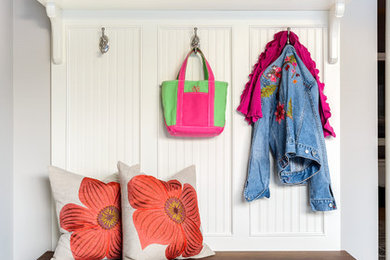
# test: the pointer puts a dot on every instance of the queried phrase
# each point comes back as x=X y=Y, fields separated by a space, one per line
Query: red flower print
x=273 y=78
x=166 y=214
x=287 y=67
x=279 y=113
x=97 y=226
x=278 y=70
x=287 y=59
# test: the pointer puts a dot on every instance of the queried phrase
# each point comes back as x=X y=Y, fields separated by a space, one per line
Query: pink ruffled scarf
x=250 y=104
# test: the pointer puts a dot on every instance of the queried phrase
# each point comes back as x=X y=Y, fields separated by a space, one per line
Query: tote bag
x=194 y=108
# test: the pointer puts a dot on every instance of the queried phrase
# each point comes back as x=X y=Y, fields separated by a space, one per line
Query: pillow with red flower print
x=160 y=218
x=89 y=216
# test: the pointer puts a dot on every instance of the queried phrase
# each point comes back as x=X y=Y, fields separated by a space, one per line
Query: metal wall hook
x=195 y=43
x=288 y=35
x=104 y=44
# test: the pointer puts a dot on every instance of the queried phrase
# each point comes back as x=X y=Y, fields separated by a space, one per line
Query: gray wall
x=359 y=171
x=6 y=198
x=32 y=219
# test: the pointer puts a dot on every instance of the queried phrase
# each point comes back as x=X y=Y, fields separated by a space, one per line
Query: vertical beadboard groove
x=212 y=156
x=101 y=125
x=287 y=212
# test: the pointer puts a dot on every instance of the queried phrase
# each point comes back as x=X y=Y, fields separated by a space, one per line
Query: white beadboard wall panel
x=107 y=108
x=103 y=115
x=212 y=156
x=286 y=212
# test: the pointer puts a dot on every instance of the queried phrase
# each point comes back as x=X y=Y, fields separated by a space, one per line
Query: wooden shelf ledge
x=56 y=8
x=266 y=255
x=201 y=5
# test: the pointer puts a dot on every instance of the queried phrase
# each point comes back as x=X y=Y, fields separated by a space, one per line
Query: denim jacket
x=291 y=127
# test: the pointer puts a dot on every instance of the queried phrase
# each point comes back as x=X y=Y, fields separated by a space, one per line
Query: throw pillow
x=160 y=218
x=89 y=216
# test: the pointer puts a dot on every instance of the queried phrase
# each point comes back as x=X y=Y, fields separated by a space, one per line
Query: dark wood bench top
x=267 y=255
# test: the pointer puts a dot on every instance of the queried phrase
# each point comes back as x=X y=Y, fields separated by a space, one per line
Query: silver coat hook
x=104 y=44
x=195 y=43
x=288 y=35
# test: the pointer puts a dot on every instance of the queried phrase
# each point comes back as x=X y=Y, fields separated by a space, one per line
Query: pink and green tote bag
x=194 y=108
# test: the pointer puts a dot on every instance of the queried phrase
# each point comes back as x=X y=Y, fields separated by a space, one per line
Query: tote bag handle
x=211 y=91
x=208 y=73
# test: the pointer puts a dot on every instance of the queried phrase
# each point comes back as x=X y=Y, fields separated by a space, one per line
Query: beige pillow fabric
x=160 y=218
x=89 y=216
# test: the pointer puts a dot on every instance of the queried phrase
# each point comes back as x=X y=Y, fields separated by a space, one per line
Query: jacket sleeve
x=257 y=184
x=320 y=190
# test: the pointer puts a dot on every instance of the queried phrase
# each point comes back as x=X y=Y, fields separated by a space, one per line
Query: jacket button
x=306 y=151
x=330 y=205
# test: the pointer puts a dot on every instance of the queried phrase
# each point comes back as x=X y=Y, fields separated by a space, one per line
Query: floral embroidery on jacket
x=274 y=73
x=289 y=110
x=279 y=113
x=293 y=61
x=267 y=91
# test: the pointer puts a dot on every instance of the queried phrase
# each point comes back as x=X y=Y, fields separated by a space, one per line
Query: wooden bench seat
x=267 y=255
